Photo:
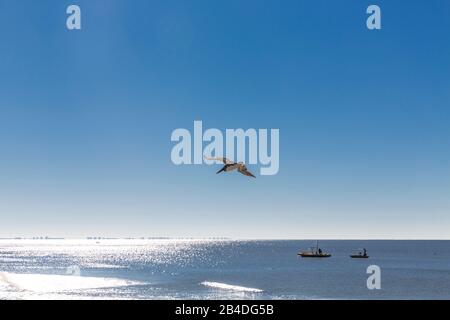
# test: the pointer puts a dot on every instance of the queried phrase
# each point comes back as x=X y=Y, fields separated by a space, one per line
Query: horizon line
x=221 y=238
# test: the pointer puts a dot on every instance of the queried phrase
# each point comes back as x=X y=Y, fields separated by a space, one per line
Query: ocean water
x=213 y=269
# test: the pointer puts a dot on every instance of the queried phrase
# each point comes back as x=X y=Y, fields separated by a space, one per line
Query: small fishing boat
x=362 y=254
x=314 y=252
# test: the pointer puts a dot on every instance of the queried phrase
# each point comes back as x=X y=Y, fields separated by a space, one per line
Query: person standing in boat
x=365 y=252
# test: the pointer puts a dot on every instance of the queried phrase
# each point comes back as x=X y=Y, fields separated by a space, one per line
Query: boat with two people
x=362 y=254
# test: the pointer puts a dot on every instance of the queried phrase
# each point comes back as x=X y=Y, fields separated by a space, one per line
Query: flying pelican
x=230 y=166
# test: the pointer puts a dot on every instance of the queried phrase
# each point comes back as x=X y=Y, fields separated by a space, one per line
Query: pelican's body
x=230 y=166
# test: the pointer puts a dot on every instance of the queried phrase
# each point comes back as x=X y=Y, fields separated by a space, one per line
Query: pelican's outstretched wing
x=224 y=160
x=244 y=170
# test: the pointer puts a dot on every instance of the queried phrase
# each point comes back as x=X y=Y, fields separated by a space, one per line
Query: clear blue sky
x=86 y=118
